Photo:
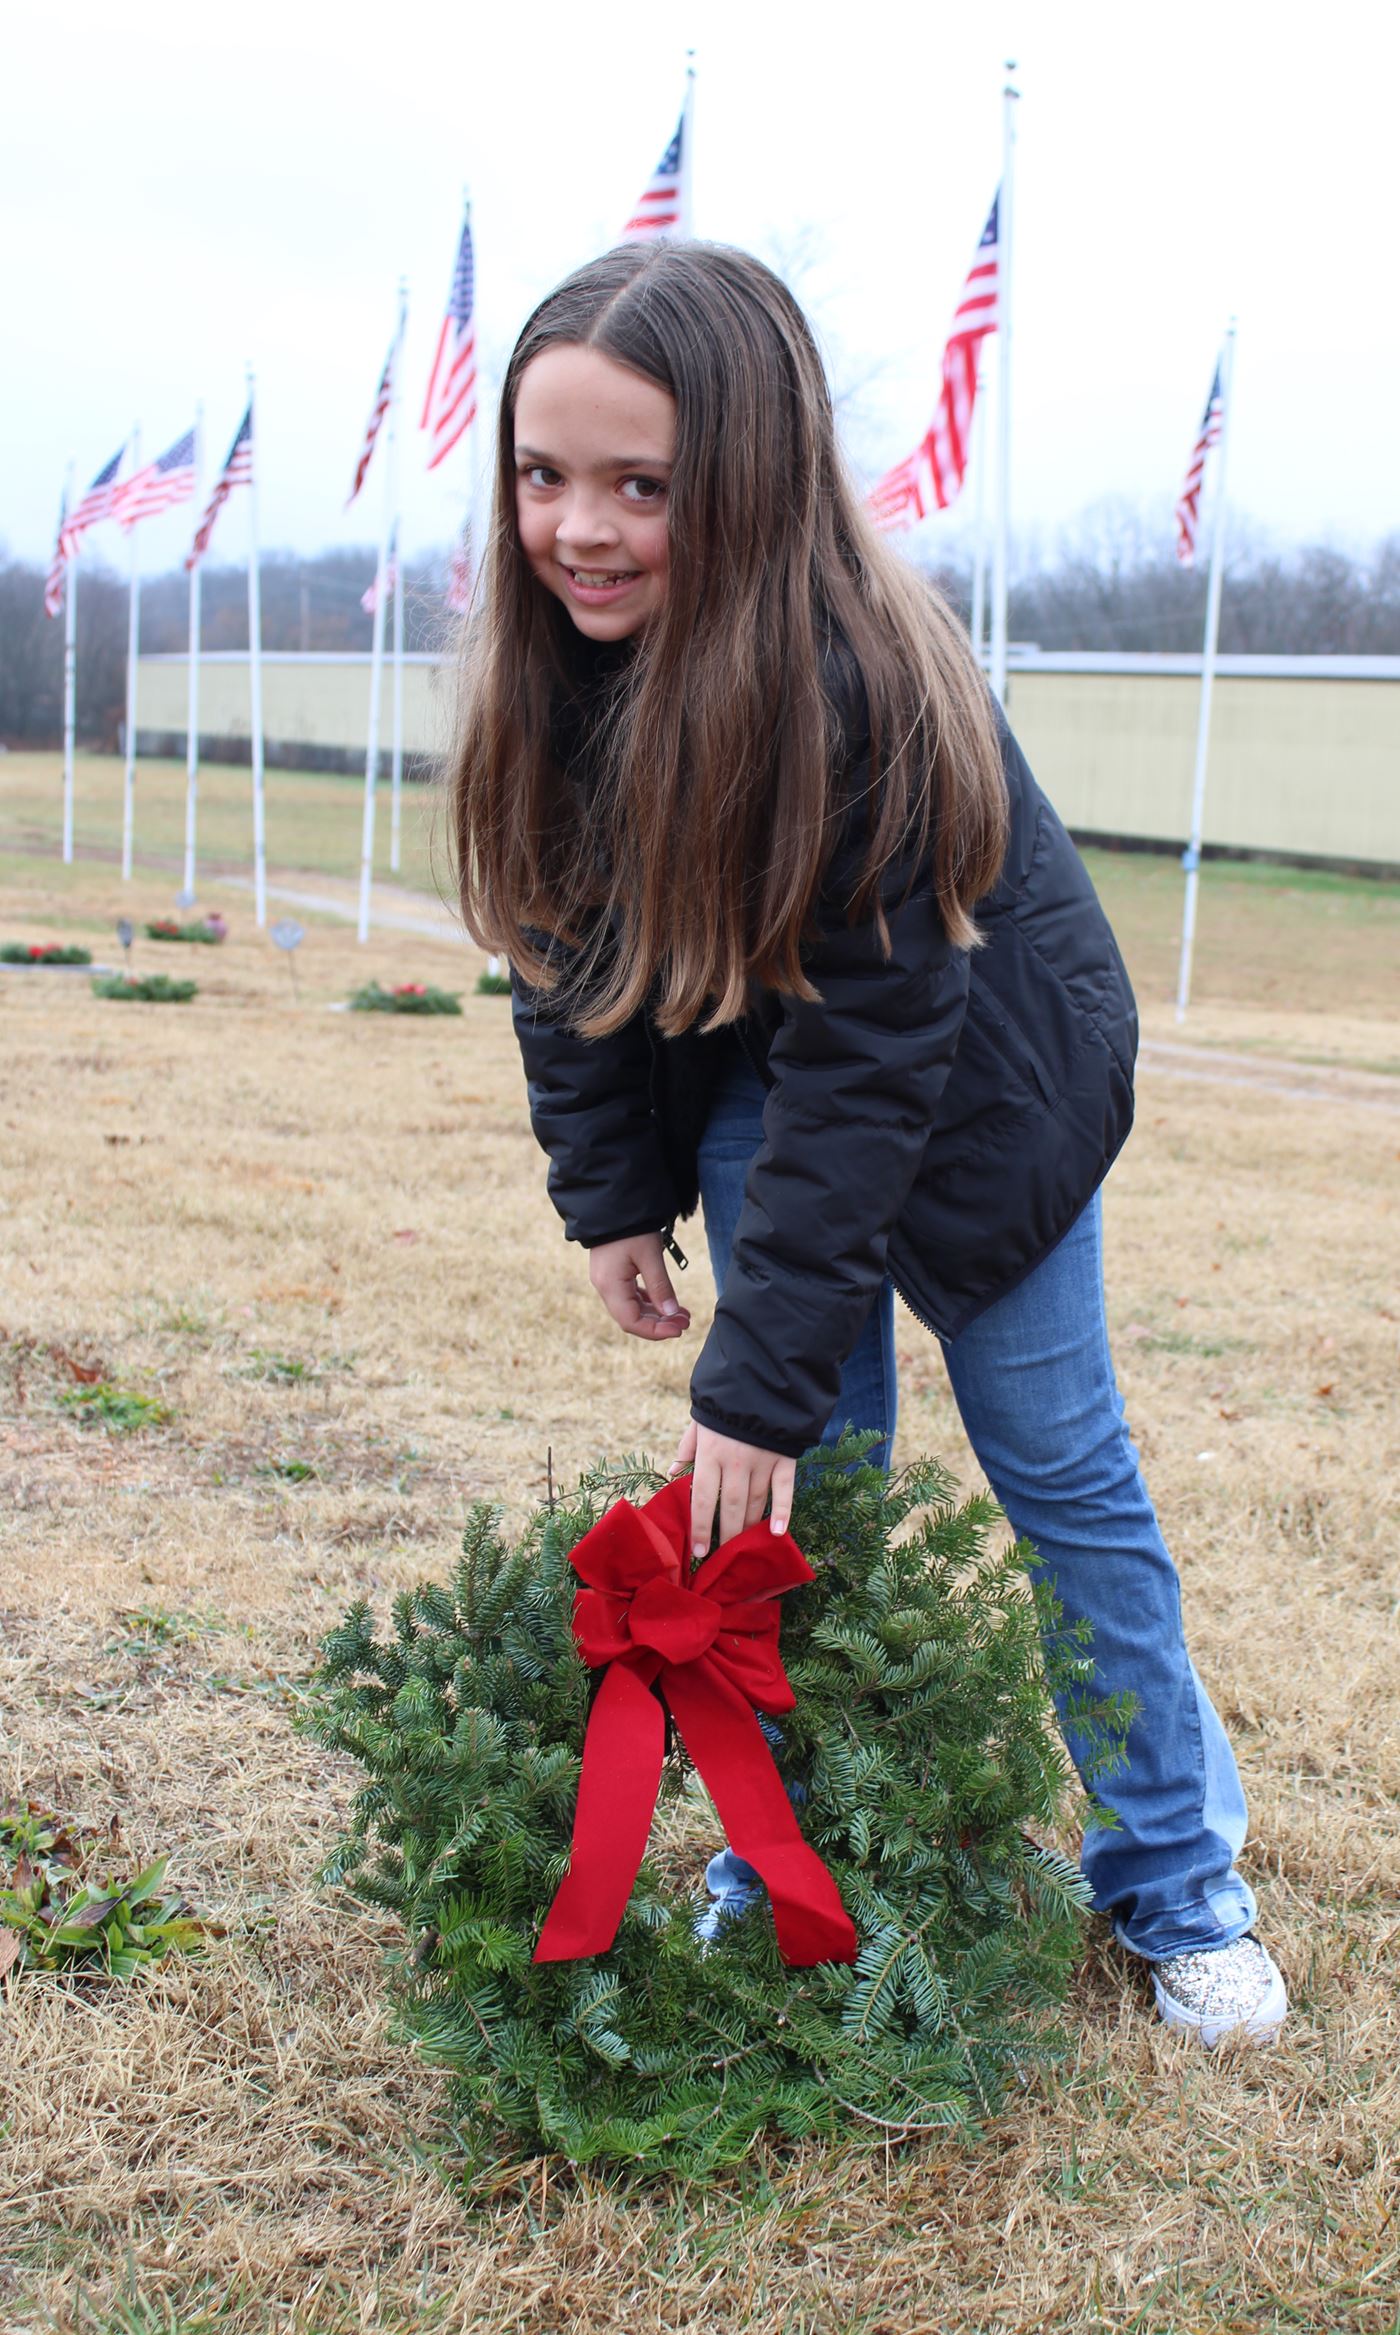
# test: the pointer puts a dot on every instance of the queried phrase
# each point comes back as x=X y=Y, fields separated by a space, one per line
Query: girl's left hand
x=740 y=1477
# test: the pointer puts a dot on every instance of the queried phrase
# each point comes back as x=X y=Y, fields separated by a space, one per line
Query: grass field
x=313 y=817
x=321 y=1240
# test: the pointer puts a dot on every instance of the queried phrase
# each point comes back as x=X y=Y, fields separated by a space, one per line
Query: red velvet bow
x=712 y=1645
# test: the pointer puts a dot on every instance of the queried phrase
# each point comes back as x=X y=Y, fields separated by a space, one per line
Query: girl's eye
x=648 y=490
x=540 y=474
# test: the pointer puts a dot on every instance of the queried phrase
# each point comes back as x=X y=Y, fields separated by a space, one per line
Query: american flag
x=369 y=599
x=237 y=471
x=659 y=210
x=450 y=405
x=169 y=479
x=459 y=578
x=96 y=504
x=898 y=500
x=58 y=565
x=1188 y=509
x=930 y=477
x=383 y=398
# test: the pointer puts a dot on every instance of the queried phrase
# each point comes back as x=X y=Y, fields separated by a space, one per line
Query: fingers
x=734 y=1501
x=731 y=1485
x=783 y=1489
x=656 y=1285
x=631 y=1281
x=704 y=1494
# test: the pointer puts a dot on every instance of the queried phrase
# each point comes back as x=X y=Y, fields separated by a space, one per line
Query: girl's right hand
x=630 y=1277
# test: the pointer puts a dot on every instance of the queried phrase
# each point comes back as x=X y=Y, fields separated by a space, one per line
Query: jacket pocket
x=1009 y=1043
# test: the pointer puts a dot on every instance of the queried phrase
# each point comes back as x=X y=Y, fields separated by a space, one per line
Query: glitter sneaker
x=1229 y=1990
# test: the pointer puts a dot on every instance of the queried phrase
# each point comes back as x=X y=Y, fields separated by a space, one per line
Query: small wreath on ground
x=929 y=1762
x=145 y=988
x=205 y=931
x=405 y=997
x=19 y=952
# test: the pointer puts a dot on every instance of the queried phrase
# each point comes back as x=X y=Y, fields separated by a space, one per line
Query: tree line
x=1112 y=584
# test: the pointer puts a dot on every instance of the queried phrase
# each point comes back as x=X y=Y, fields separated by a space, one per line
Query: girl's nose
x=584 y=524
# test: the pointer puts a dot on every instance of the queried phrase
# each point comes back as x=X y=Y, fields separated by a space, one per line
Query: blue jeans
x=1033 y=1380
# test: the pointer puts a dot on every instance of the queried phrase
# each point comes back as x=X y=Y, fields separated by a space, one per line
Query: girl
x=796 y=935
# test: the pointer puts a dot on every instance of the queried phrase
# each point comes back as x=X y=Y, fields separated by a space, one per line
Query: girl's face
x=594 y=444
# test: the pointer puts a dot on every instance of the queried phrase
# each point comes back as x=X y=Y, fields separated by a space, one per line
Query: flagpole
x=133 y=633
x=473 y=530
x=396 y=718
x=255 y=717
x=1009 y=97
x=688 y=148
x=979 y=519
x=1191 y=857
x=192 y=715
x=70 y=672
x=376 y=655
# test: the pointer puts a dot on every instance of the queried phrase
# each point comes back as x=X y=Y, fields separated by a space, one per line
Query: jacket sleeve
x=857 y=1078
x=591 y=1110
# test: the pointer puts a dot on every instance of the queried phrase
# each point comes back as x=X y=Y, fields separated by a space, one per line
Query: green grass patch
x=119 y=1409
x=1188 y=1342
x=273 y=1369
x=1254 y=875
x=313 y=819
x=151 y=1629
x=183 y=1322
x=58 y=1915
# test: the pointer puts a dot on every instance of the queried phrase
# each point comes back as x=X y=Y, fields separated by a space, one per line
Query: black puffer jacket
x=938 y=1117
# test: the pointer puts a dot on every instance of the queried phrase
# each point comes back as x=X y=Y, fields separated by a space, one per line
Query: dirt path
x=411 y=912
x=1304 y=1082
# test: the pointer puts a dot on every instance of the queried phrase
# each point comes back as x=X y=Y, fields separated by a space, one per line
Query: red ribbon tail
x=622 y=1754
x=728 y=1747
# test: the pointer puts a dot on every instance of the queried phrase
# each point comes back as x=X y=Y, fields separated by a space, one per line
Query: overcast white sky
x=187 y=190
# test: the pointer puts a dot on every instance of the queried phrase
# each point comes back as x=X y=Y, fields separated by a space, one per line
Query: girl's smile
x=595 y=591
x=594 y=447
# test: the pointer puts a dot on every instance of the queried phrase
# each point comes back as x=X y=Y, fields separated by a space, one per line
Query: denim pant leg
x=1034 y=1381
x=868 y=1394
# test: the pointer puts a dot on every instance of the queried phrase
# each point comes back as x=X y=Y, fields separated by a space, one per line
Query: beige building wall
x=1299 y=764
x=322 y=702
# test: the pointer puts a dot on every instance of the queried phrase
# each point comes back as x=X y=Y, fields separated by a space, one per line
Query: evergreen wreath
x=145 y=988
x=925 y=1740
x=405 y=997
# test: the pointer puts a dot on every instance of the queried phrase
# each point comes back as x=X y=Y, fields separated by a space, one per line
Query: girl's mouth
x=594 y=586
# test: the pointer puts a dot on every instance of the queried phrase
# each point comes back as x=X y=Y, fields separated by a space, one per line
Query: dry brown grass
x=197 y=1199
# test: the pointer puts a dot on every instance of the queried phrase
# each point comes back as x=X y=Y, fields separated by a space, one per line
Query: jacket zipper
x=672 y=1246
x=921 y=1318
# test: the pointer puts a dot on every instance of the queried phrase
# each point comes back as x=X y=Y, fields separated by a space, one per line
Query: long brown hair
x=718 y=755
